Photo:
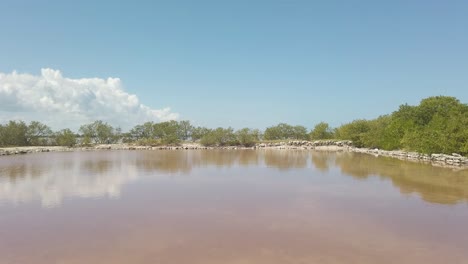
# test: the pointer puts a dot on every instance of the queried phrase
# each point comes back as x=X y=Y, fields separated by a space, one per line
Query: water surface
x=229 y=206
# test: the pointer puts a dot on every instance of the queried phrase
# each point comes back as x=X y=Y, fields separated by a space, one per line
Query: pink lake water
x=229 y=206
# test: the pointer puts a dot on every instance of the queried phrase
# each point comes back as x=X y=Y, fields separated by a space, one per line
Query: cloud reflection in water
x=52 y=177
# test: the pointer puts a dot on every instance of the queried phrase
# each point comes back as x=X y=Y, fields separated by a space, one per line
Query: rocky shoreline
x=454 y=160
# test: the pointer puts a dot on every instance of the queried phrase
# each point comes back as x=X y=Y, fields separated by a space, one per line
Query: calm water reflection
x=227 y=206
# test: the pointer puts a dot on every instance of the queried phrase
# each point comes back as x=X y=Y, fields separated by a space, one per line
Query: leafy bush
x=438 y=124
x=220 y=137
x=355 y=131
x=38 y=134
x=199 y=132
x=99 y=132
x=14 y=133
x=285 y=131
x=247 y=137
x=321 y=131
x=66 y=138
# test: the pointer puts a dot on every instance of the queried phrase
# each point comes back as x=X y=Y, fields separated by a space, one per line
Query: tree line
x=437 y=125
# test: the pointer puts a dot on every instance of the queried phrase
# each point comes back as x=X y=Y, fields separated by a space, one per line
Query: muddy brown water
x=229 y=206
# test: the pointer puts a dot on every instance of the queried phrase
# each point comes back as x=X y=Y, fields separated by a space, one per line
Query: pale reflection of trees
x=185 y=161
x=17 y=171
x=164 y=161
x=322 y=160
x=51 y=177
x=219 y=157
x=249 y=157
x=432 y=184
x=286 y=159
x=97 y=166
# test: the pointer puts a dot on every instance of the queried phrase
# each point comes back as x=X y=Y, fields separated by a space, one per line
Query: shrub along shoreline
x=437 y=125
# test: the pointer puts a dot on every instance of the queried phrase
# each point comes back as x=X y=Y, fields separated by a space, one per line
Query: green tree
x=400 y=123
x=443 y=106
x=277 y=132
x=185 y=130
x=375 y=136
x=38 y=134
x=284 y=131
x=98 y=132
x=199 y=132
x=2 y=135
x=65 y=137
x=299 y=132
x=220 y=137
x=354 y=131
x=167 y=132
x=321 y=131
x=14 y=133
x=144 y=131
x=436 y=125
x=248 y=137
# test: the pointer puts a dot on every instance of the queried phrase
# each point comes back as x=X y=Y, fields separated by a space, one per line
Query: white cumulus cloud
x=64 y=102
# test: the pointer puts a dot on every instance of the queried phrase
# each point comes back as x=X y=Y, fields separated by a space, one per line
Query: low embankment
x=322 y=145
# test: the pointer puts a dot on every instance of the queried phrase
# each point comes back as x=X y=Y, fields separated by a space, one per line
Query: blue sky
x=241 y=63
